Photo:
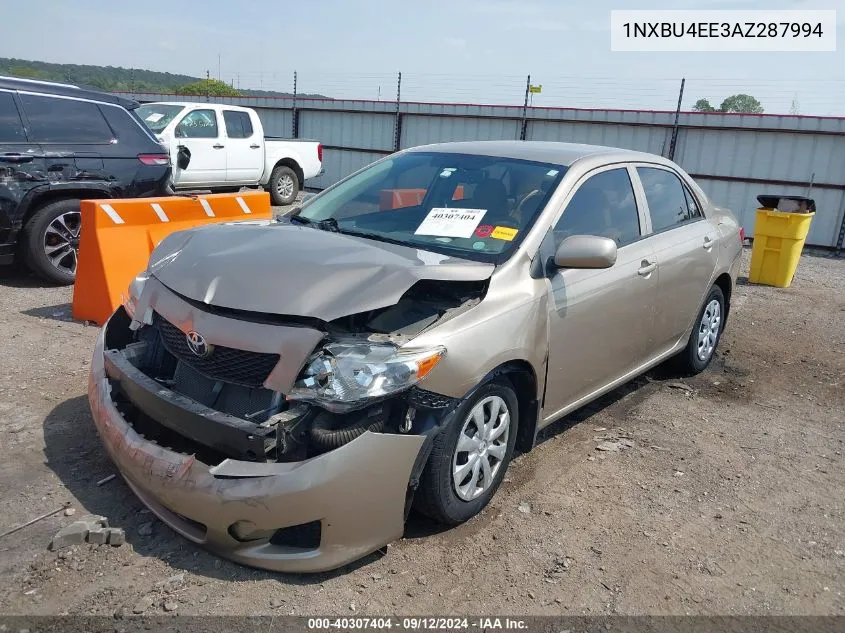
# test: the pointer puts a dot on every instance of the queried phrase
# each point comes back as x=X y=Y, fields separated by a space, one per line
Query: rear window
x=57 y=120
x=238 y=124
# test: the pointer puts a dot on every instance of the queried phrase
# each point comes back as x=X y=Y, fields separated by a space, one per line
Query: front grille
x=237 y=366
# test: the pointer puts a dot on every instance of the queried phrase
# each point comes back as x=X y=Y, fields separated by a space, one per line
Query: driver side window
x=198 y=124
x=603 y=205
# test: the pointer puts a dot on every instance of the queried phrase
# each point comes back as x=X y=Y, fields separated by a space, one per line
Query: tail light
x=320 y=152
x=154 y=159
x=741 y=235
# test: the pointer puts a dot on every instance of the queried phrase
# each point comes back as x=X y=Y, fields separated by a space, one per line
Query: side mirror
x=183 y=157
x=586 y=251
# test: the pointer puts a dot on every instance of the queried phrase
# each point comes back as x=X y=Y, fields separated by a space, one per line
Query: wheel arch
x=725 y=284
x=295 y=166
x=39 y=198
x=523 y=379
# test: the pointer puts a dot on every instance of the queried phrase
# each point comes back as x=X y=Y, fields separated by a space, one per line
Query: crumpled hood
x=287 y=269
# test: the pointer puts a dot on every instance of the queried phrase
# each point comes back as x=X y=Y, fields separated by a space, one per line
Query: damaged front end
x=299 y=442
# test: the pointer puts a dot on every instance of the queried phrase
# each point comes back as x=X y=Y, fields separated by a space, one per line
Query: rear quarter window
x=128 y=129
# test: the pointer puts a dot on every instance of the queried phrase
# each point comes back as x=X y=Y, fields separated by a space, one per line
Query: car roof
x=198 y=104
x=64 y=90
x=554 y=152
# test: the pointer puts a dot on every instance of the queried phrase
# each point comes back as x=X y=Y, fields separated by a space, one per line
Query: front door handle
x=254 y=146
x=708 y=243
x=218 y=146
x=646 y=268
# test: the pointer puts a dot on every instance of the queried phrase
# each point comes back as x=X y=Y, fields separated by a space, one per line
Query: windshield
x=157 y=115
x=463 y=205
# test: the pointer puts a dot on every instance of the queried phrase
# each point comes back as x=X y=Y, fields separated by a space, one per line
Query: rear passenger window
x=198 y=124
x=55 y=120
x=238 y=124
x=11 y=128
x=669 y=202
x=605 y=206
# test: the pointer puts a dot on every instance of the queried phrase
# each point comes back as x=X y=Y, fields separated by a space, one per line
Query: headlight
x=346 y=375
x=136 y=287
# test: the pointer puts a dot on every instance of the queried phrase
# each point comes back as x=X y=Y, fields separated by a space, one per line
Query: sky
x=466 y=51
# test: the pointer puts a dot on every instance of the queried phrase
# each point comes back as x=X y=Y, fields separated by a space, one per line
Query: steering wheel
x=529 y=196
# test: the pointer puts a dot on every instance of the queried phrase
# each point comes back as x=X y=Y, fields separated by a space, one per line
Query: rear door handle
x=708 y=243
x=218 y=146
x=254 y=146
x=16 y=158
x=646 y=268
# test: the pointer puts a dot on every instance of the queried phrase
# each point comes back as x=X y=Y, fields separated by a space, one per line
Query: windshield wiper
x=329 y=224
x=373 y=236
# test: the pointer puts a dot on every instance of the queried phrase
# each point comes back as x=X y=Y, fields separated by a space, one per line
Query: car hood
x=281 y=268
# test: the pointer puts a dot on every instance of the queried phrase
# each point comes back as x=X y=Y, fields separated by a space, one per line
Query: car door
x=685 y=244
x=74 y=137
x=600 y=321
x=244 y=148
x=20 y=164
x=200 y=131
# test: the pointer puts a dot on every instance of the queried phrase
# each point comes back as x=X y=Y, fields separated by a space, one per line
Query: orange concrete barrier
x=118 y=236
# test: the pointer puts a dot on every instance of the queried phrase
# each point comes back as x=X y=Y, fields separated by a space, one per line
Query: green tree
x=210 y=87
x=703 y=105
x=741 y=103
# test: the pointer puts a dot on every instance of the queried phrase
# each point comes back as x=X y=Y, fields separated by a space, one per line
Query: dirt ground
x=730 y=498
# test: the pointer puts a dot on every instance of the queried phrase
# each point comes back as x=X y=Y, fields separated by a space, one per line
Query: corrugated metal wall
x=733 y=157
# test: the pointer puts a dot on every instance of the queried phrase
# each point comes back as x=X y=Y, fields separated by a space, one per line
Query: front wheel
x=705 y=335
x=283 y=186
x=469 y=457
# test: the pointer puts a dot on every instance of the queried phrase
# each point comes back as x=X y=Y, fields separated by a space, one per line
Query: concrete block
x=73 y=534
x=98 y=536
x=117 y=537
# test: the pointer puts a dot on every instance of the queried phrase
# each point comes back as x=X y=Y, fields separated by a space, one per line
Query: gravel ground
x=729 y=499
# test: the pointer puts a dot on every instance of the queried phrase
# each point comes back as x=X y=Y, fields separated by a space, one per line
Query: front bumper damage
x=313 y=515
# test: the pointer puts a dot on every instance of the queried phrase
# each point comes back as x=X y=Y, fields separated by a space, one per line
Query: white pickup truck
x=223 y=147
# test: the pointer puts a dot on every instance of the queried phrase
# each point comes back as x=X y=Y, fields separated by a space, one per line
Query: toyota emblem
x=197 y=344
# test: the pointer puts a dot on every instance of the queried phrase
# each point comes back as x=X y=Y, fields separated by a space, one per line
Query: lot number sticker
x=443 y=222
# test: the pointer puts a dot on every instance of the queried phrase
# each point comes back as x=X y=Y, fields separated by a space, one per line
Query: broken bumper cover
x=357 y=492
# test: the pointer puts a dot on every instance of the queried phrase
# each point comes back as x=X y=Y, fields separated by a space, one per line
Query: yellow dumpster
x=780 y=228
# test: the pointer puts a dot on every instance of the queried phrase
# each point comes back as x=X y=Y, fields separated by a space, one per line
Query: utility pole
x=219 y=77
x=207 y=85
x=397 y=124
x=294 y=118
x=524 y=126
x=674 y=140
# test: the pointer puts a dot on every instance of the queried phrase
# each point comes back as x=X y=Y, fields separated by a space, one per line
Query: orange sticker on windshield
x=504 y=233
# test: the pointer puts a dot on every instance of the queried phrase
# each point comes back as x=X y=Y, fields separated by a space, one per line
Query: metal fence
x=735 y=157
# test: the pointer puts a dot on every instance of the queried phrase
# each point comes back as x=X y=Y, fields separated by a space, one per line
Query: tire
x=712 y=315
x=437 y=496
x=54 y=226
x=283 y=186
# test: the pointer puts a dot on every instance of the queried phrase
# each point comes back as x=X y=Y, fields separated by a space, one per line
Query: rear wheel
x=283 y=186
x=51 y=241
x=470 y=456
x=705 y=335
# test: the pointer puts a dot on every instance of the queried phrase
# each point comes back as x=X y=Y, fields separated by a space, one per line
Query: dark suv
x=60 y=144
